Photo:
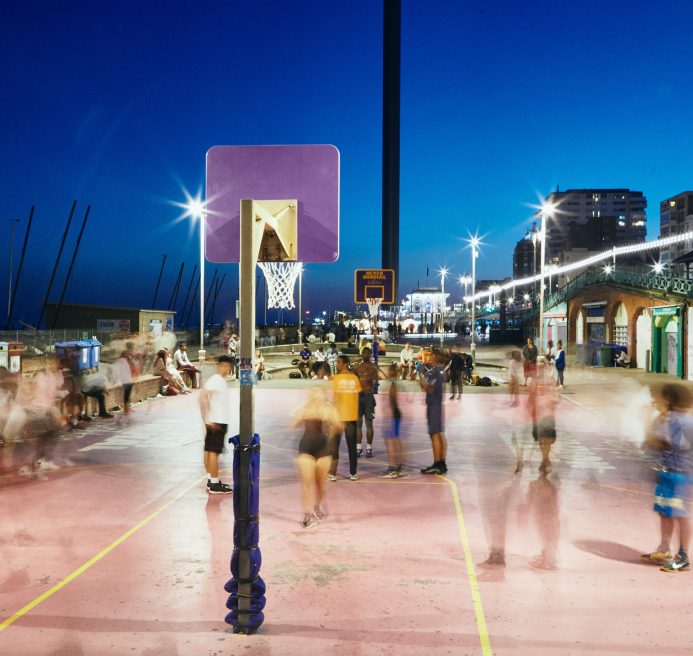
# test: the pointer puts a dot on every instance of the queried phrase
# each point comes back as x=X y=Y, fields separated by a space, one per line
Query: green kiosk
x=667 y=339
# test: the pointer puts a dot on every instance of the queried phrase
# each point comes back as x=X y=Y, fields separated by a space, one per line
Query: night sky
x=115 y=104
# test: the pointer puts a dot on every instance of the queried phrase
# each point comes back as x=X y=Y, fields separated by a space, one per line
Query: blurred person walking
x=392 y=439
x=332 y=355
x=367 y=373
x=319 y=420
x=346 y=388
x=671 y=434
x=543 y=401
x=215 y=407
x=432 y=381
x=514 y=359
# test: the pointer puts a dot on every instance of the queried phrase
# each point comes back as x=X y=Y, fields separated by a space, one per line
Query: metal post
x=300 y=308
x=158 y=282
x=473 y=344
x=246 y=410
x=55 y=266
x=392 y=29
x=72 y=264
x=202 y=353
x=541 y=283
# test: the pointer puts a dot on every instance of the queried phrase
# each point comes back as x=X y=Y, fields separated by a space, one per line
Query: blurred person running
x=432 y=381
x=367 y=373
x=215 y=406
x=319 y=420
x=392 y=440
x=346 y=388
x=671 y=434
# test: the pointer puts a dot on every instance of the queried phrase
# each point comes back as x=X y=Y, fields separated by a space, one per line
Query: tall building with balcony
x=595 y=220
x=676 y=217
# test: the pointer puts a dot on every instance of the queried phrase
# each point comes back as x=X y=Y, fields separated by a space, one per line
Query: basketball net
x=373 y=307
x=281 y=280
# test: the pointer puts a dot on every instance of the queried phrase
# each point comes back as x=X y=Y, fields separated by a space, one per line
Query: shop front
x=667 y=339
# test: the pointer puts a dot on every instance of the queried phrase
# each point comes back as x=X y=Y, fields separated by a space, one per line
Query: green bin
x=604 y=356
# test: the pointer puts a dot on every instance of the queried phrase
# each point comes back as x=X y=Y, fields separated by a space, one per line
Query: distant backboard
x=374 y=283
x=309 y=174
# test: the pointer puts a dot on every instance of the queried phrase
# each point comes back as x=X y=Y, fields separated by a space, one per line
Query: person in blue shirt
x=304 y=361
x=672 y=435
x=432 y=381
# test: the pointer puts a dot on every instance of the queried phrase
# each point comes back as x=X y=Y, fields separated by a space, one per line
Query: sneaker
x=657 y=557
x=354 y=477
x=108 y=415
x=388 y=473
x=331 y=477
x=679 y=563
x=452 y=398
x=369 y=453
x=359 y=452
x=432 y=469
x=218 y=488
x=310 y=521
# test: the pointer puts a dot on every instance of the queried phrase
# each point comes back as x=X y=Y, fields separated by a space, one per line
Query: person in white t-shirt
x=182 y=362
x=216 y=410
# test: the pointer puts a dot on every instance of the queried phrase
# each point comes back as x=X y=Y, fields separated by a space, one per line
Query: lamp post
x=474 y=245
x=196 y=210
x=535 y=236
x=547 y=210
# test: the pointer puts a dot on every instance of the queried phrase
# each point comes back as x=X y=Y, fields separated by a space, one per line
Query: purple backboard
x=374 y=283
x=309 y=174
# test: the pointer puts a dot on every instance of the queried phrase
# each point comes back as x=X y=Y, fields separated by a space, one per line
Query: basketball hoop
x=281 y=280
x=374 y=305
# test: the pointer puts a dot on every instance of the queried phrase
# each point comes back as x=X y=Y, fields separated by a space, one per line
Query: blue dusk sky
x=115 y=104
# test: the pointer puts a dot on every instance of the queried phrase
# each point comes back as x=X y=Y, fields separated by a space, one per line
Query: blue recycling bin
x=94 y=353
x=74 y=355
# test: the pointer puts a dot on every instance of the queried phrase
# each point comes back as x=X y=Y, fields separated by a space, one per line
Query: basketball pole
x=248 y=262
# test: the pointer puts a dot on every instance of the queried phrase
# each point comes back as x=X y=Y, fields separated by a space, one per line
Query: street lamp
x=474 y=243
x=300 y=298
x=443 y=272
x=547 y=211
x=195 y=208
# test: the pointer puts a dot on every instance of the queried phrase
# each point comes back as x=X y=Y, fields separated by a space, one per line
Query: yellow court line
x=471 y=573
x=80 y=570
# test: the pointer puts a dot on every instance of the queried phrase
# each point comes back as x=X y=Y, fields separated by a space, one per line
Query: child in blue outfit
x=672 y=435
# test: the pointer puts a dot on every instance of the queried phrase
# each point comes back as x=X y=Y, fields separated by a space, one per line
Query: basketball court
x=123 y=551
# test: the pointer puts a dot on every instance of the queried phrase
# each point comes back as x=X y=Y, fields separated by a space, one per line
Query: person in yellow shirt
x=346 y=388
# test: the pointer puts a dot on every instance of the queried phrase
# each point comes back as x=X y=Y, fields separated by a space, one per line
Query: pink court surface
x=122 y=551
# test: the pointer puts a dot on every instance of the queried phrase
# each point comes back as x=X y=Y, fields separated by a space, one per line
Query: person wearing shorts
x=432 y=381
x=319 y=419
x=672 y=435
x=216 y=410
x=392 y=440
x=367 y=373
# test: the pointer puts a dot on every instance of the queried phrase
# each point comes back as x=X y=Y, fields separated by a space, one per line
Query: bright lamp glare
x=658 y=267
x=195 y=208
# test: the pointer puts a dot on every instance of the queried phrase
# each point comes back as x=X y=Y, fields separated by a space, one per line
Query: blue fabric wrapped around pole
x=245 y=587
